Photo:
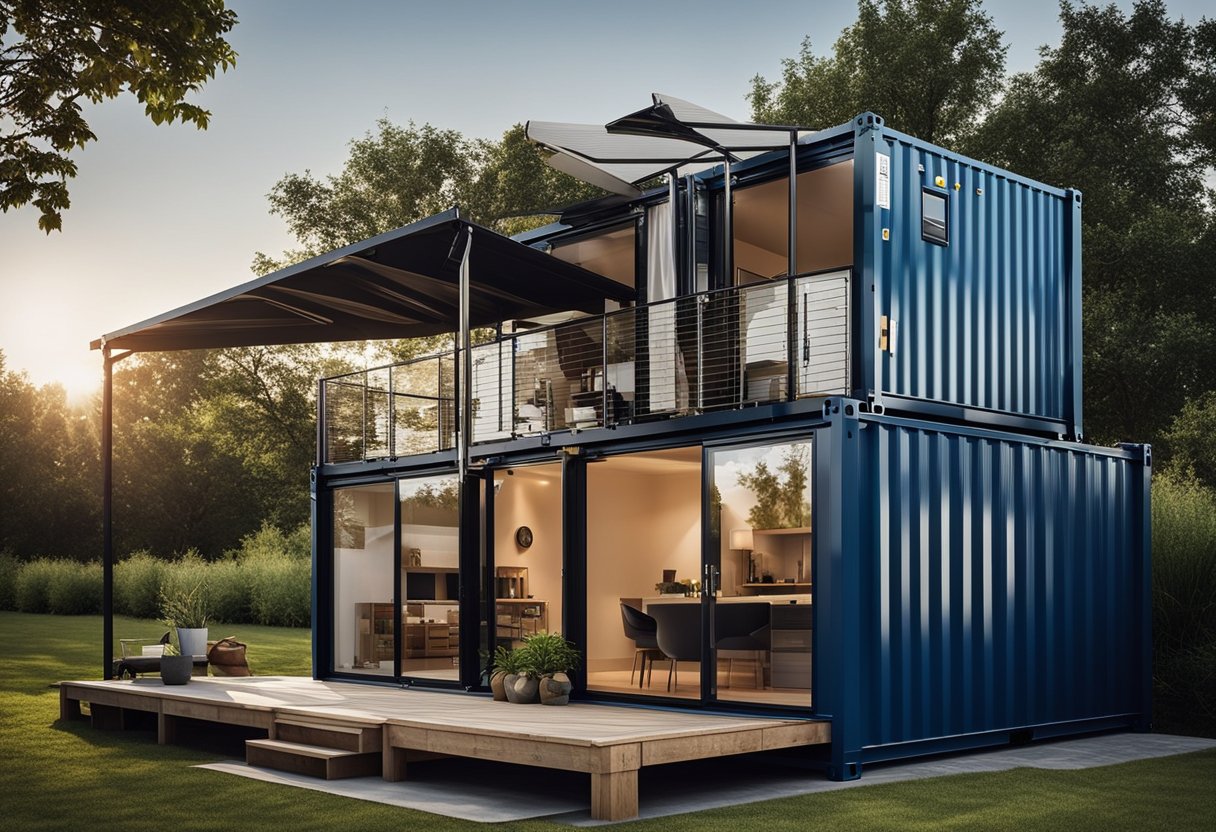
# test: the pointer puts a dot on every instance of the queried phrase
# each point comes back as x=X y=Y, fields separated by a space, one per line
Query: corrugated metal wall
x=983 y=321
x=1000 y=583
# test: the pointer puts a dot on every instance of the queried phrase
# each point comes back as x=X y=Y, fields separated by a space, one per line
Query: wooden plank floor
x=609 y=742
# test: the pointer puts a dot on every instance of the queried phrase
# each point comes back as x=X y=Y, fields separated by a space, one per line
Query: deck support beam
x=614 y=795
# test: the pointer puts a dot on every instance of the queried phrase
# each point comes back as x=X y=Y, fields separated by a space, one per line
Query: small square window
x=934 y=225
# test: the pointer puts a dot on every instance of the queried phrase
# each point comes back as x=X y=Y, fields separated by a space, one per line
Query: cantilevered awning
x=401 y=284
x=671 y=134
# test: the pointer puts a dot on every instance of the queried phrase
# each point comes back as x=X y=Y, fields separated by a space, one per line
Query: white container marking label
x=883 y=196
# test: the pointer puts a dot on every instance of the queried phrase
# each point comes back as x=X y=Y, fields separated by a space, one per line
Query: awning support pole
x=792 y=357
x=107 y=509
x=466 y=363
x=728 y=226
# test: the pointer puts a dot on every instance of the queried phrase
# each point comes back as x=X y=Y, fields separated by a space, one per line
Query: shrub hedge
x=1184 y=607
x=267 y=580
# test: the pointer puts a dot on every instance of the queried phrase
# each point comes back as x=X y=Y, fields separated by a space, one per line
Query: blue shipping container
x=976 y=587
x=978 y=320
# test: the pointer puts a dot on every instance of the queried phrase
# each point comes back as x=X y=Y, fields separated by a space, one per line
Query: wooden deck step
x=313 y=760
x=328 y=734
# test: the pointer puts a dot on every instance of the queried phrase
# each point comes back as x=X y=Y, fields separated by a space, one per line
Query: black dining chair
x=741 y=633
x=641 y=628
x=678 y=634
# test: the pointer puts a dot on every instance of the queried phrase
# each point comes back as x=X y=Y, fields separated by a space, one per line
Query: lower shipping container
x=976 y=588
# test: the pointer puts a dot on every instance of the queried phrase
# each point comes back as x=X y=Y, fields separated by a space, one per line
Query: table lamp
x=741 y=540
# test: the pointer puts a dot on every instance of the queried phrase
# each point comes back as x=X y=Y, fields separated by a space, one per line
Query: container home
x=789 y=423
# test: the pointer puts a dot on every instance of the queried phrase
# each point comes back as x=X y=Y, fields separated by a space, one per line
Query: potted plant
x=505 y=662
x=520 y=682
x=551 y=658
x=175 y=668
x=186 y=612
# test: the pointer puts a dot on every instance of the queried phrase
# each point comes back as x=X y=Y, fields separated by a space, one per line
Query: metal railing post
x=392 y=409
x=741 y=347
x=700 y=306
x=322 y=425
x=604 y=369
x=363 y=421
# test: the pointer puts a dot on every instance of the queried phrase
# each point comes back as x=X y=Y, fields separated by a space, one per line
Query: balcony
x=729 y=348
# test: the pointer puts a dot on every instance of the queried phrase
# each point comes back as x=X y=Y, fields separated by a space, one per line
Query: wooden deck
x=610 y=743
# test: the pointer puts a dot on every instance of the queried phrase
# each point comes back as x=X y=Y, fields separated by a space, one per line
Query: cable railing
x=722 y=349
x=390 y=411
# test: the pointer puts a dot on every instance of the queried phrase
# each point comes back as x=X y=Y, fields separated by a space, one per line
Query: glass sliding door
x=364 y=619
x=643 y=572
x=528 y=557
x=430 y=578
x=759 y=542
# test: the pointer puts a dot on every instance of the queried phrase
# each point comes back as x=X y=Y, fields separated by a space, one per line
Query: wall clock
x=523 y=536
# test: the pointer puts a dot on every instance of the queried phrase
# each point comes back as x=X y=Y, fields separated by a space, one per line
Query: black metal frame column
x=791 y=306
x=574 y=556
x=107 y=508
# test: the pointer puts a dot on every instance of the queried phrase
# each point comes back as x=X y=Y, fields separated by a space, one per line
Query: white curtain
x=668 y=383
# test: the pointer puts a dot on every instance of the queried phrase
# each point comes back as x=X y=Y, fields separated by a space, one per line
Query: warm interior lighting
x=741 y=540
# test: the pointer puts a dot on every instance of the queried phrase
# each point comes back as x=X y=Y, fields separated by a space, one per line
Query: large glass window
x=364 y=623
x=760 y=516
x=825 y=224
x=430 y=578
x=643 y=552
x=610 y=253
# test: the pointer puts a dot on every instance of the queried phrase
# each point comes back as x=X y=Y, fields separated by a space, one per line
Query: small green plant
x=506 y=660
x=549 y=653
x=670 y=587
x=185 y=609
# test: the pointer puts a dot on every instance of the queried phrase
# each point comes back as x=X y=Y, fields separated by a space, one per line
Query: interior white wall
x=638 y=524
x=532 y=497
x=363 y=575
x=440 y=545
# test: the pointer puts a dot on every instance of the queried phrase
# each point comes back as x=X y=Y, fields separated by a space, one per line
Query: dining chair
x=741 y=633
x=678 y=634
x=640 y=628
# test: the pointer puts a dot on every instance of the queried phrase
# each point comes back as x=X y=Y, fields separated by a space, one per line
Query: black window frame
x=944 y=196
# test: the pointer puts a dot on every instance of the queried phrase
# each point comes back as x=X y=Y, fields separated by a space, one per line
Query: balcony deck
x=611 y=743
x=763 y=343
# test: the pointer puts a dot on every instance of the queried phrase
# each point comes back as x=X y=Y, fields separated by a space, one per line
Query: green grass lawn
x=58 y=776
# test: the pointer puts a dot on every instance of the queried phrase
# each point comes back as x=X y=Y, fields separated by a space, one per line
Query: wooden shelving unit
x=516 y=618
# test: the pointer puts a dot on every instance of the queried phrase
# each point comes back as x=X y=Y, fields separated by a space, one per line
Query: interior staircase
x=330 y=750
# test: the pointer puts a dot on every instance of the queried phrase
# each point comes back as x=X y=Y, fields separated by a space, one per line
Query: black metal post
x=728 y=226
x=791 y=363
x=322 y=428
x=107 y=510
x=107 y=507
x=465 y=364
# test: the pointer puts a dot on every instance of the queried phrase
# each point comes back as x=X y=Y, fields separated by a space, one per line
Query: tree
x=1191 y=440
x=49 y=456
x=396 y=175
x=1122 y=109
x=929 y=67
x=782 y=496
x=393 y=177
x=67 y=51
x=515 y=190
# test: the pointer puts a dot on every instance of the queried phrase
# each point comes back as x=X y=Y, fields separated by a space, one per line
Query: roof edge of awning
x=450 y=215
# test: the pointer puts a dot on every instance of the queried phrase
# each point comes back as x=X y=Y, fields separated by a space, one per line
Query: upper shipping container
x=970 y=281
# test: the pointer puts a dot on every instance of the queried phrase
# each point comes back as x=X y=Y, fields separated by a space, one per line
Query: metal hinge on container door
x=887 y=328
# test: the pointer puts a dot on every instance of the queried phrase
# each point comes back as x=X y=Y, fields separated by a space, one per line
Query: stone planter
x=555 y=689
x=192 y=641
x=175 y=670
x=520 y=689
x=498 y=684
